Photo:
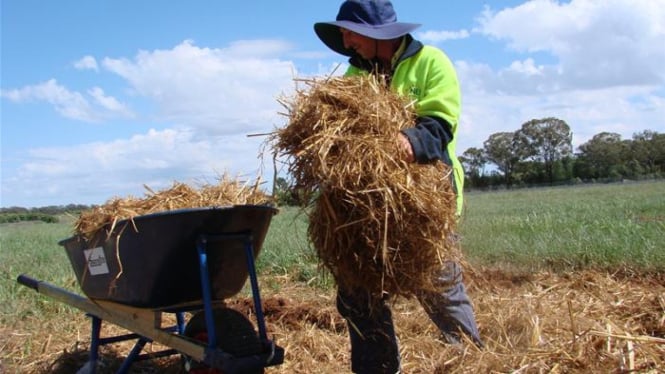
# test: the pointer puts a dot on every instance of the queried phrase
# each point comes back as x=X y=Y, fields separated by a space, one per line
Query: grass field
x=568 y=227
x=565 y=228
x=602 y=227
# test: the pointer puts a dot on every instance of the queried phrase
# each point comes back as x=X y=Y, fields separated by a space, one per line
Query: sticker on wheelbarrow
x=96 y=261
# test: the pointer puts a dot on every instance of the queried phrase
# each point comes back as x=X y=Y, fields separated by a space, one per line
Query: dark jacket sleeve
x=429 y=139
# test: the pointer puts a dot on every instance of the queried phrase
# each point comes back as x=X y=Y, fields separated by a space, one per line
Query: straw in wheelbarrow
x=228 y=191
x=376 y=221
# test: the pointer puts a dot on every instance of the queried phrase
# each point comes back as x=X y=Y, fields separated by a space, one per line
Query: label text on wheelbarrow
x=96 y=261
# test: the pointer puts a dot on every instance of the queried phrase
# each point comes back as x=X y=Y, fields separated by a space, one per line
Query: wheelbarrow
x=180 y=261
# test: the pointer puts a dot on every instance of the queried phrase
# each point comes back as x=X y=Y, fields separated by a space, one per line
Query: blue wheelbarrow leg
x=90 y=366
x=206 y=288
x=96 y=341
x=256 y=294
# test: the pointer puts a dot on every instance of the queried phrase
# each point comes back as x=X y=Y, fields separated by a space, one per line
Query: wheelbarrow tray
x=151 y=261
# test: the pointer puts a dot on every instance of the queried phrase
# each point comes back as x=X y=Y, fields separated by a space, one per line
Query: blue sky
x=99 y=98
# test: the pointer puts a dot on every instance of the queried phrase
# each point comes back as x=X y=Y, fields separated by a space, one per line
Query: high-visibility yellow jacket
x=427 y=76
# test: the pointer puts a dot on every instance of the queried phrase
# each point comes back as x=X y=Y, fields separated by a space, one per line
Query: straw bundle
x=377 y=222
x=179 y=196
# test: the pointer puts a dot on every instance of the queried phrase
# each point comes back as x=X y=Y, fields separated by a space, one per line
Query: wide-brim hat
x=373 y=19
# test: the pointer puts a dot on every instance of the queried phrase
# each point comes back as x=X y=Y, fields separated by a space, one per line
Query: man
x=368 y=33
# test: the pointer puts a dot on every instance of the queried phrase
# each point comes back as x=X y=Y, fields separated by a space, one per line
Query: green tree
x=546 y=141
x=647 y=148
x=603 y=156
x=500 y=150
x=474 y=161
x=660 y=145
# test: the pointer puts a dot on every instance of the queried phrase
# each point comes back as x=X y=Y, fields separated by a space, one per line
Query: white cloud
x=526 y=67
x=432 y=36
x=109 y=103
x=87 y=63
x=68 y=103
x=598 y=43
x=217 y=91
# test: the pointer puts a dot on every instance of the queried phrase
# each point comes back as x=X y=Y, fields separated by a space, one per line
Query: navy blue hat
x=374 y=19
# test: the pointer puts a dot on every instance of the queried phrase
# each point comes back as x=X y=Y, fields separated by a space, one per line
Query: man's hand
x=405 y=147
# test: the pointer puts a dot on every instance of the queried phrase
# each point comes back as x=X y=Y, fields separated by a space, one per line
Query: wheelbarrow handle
x=28 y=282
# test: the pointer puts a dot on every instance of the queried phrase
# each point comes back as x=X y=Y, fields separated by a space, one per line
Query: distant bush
x=48 y=210
x=18 y=217
x=48 y=214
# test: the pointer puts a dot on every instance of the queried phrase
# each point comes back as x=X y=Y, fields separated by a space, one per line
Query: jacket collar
x=412 y=47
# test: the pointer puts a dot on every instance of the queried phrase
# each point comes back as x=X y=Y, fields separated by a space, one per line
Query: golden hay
x=377 y=222
x=178 y=196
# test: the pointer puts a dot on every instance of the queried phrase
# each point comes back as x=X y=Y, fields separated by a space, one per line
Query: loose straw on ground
x=376 y=222
x=524 y=320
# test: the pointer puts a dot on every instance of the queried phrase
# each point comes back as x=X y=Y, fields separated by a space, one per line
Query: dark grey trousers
x=374 y=347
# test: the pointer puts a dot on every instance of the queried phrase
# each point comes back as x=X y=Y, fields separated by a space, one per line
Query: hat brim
x=330 y=34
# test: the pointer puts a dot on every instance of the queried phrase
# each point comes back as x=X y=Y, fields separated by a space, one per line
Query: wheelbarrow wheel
x=235 y=335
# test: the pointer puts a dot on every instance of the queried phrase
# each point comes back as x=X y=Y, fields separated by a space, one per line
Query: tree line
x=540 y=153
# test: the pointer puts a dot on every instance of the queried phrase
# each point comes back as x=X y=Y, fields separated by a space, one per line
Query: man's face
x=364 y=46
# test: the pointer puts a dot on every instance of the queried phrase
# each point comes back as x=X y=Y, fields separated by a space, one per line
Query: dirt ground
x=582 y=322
